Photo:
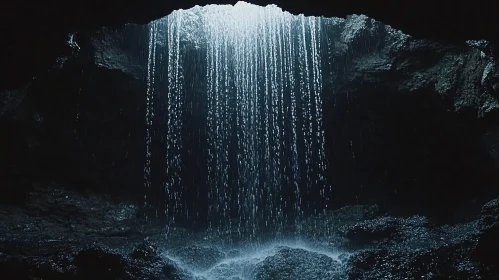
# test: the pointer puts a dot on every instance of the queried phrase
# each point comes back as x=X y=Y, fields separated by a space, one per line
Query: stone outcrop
x=487 y=246
x=62 y=234
x=41 y=34
x=290 y=263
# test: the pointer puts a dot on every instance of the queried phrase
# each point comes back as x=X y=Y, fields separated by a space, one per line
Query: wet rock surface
x=386 y=230
x=444 y=253
x=487 y=247
x=62 y=234
x=415 y=248
x=290 y=263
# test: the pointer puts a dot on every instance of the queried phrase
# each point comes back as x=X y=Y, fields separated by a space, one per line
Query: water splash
x=243 y=262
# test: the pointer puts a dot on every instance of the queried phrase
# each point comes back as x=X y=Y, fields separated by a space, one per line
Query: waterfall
x=151 y=67
x=174 y=126
x=261 y=76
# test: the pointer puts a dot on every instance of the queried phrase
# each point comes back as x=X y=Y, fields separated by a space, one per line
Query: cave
x=235 y=140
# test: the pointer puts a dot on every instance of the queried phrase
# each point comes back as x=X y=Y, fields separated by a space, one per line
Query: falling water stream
x=261 y=75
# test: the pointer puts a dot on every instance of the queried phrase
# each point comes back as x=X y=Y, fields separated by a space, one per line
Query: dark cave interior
x=424 y=132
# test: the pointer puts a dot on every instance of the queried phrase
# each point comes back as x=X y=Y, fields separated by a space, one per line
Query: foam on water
x=242 y=262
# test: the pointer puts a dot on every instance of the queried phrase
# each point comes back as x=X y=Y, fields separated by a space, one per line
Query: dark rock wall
x=406 y=121
x=410 y=124
x=37 y=31
x=82 y=125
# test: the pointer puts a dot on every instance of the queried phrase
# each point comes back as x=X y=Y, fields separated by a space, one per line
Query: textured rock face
x=61 y=234
x=385 y=230
x=396 y=105
x=65 y=235
x=39 y=35
x=296 y=263
x=415 y=248
x=120 y=49
x=385 y=57
x=446 y=253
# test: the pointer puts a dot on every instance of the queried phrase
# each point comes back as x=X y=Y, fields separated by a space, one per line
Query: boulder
x=443 y=263
x=290 y=263
x=487 y=248
x=415 y=250
x=146 y=252
x=385 y=231
x=111 y=49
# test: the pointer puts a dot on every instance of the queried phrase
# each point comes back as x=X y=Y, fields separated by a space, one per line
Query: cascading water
x=151 y=62
x=261 y=75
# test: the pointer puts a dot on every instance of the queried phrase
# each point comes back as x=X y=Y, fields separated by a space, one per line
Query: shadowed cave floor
x=60 y=234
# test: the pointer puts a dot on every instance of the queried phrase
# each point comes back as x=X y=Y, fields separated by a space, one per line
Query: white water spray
x=264 y=113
